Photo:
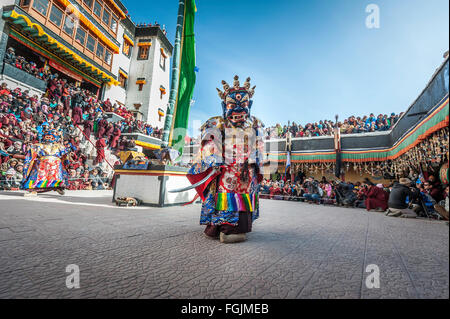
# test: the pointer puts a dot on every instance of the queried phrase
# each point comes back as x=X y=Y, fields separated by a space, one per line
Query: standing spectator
x=100 y=146
x=77 y=115
x=115 y=137
x=88 y=127
x=10 y=56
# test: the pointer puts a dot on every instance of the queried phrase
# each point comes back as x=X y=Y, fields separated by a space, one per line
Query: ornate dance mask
x=50 y=137
x=237 y=101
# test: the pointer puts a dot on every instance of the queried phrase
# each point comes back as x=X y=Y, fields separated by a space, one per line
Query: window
x=143 y=52
x=41 y=6
x=114 y=23
x=108 y=57
x=56 y=15
x=140 y=82
x=88 y=3
x=81 y=36
x=98 y=8
x=162 y=62
x=106 y=17
x=162 y=89
x=90 y=45
x=123 y=81
x=100 y=51
x=126 y=49
x=160 y=114
x=69 y=24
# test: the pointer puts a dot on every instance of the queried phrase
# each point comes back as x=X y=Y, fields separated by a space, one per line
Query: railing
x=24 y=77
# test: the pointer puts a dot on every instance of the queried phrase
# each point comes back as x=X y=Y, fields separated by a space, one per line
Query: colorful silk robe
x=237 y=154
x=43 y=167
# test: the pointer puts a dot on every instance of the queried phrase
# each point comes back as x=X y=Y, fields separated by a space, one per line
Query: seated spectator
x=9 y=181
x=345 y=194
x=312 y=191
x=397 y=203
x=275 y=192
x=287 y=190
x=376 y=197
x=96 y=181
x=433 y=188
x=443 y=206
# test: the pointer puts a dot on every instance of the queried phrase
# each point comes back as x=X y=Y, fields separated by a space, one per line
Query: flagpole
x=175 y=75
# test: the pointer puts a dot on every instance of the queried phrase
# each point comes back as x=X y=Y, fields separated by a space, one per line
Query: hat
x=405 y=181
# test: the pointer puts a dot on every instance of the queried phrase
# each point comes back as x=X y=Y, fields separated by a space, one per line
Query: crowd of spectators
x=60 y=90
x=23 y=118
x=351 y=125
x=424 y=197
x=130 y=124
x=68 y=109
x=30 y=67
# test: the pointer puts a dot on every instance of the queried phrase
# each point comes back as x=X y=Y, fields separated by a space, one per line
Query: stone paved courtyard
x=296 y=250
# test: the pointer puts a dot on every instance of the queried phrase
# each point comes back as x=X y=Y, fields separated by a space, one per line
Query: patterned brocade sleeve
x=211 y=148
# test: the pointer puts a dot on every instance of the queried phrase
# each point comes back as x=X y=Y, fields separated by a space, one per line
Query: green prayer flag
x=187 y=79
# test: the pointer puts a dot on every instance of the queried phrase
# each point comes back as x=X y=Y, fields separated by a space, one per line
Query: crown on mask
x=236 y=87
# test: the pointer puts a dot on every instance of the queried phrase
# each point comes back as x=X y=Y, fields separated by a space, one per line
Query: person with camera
x=360 y=192
x=298 y=190
x=344 y=193
x=312 y=188
x=397 y=205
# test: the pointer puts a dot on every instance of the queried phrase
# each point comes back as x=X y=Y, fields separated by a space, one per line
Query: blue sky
x=311 y=59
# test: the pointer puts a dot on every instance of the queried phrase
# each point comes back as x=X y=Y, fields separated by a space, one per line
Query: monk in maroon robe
x=115 y=137
x=77 y=115
x=376 y=198
x=88 y=127
x=109 y=131
x=100 y=146
x=102 y=124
